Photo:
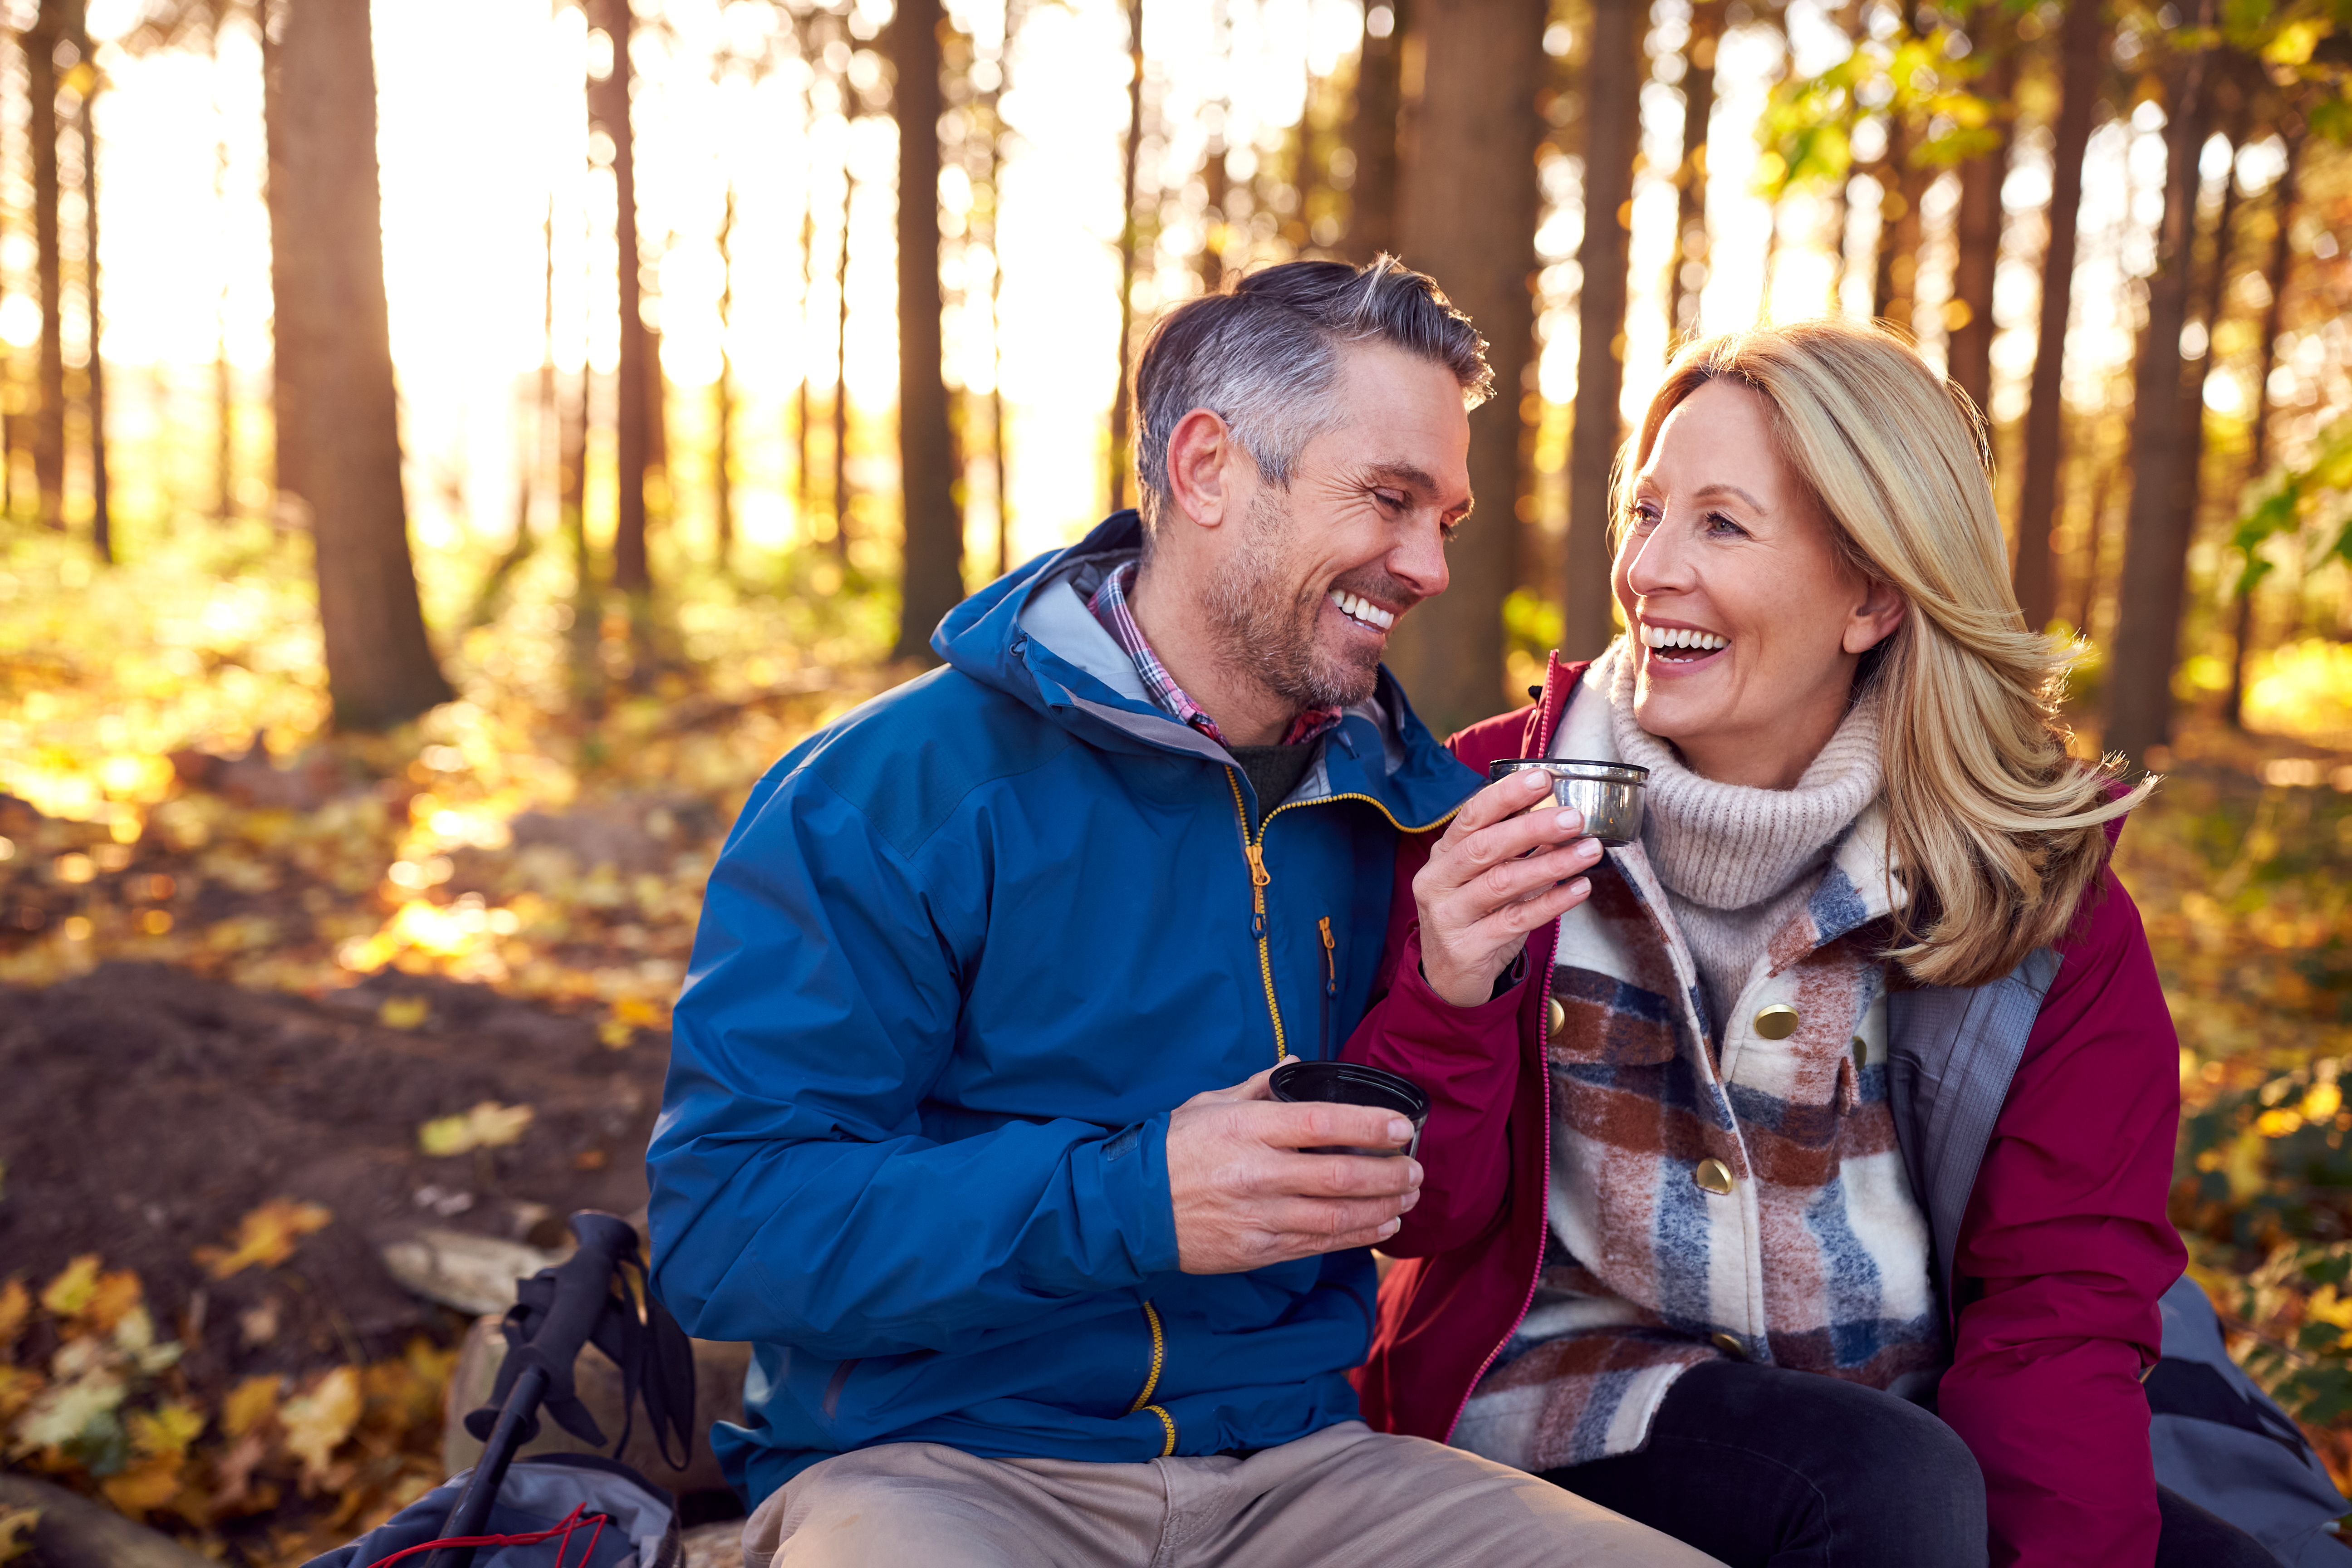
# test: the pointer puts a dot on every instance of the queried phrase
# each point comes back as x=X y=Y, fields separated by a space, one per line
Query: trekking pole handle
x=474 y=1504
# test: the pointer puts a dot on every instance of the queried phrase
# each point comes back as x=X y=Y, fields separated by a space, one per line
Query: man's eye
x=1395 y=500
x=1447 y=528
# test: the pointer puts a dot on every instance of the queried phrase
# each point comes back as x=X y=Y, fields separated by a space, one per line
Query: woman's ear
x=1198 y=451
x=1874 y=620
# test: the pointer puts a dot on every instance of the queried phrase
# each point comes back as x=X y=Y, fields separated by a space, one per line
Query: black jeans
x=1765 y=1467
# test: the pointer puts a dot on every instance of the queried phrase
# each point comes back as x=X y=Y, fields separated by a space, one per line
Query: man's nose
x=1419 y=562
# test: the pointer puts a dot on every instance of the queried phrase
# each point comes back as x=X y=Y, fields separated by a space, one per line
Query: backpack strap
x=1951 y=1054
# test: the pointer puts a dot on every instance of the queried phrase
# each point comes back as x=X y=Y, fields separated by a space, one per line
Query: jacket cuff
x=1500 y=1008
x=1125 y=1177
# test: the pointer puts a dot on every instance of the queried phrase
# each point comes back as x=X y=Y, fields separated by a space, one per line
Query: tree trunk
x=931 y=583
x=338 y=411
x=1468 y=218
x=1895 y=291
x=608 y=111
x=1612 y=138
x=722 y=455
x=803 y=471
x=2277 y=273
x=1120 y=412
x=2080 y=52
x=1969 y=356
x=101 y=514
x=1686 y=272
x=1000 y=443
x=224 y=375
x=41 y=44
x=1373 y=122
x=2164 y=483
x=841 y=371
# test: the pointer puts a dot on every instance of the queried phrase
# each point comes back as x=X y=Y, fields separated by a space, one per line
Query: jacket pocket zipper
x=1152 y=1379
x=1330 y=983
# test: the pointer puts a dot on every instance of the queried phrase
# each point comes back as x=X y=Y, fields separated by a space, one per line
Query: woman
x=1723 y=1193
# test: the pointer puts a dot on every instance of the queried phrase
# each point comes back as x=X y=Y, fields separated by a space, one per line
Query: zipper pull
x=1258 y=879
x=1330 y=959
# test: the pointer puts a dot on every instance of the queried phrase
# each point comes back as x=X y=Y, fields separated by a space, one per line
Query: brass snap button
x=1713 y=1176
x=1729 y=1344
x=1555 y=1019
x=1777 y=1022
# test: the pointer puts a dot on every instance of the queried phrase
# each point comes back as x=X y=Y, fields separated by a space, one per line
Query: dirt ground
x=146 y=1110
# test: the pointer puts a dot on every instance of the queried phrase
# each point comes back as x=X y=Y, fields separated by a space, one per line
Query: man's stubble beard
x=1268 y=637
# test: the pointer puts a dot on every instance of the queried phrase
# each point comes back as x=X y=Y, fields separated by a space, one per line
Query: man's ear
x=1874 y=620
x=1200 y=450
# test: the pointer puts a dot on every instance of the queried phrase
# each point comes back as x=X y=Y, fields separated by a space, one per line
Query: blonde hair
x=1993 y=828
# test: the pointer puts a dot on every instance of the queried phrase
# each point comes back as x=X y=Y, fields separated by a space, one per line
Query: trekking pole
x=583 y=1292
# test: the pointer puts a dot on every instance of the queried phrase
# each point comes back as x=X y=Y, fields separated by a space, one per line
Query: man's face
x=1312 y=579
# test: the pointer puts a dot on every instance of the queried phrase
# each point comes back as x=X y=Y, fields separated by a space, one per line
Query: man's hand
x=1246 y=1197
x=1482 y=891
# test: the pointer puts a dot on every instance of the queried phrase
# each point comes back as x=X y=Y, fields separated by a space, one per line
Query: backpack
x=574 y=1509
x=2220 y=1442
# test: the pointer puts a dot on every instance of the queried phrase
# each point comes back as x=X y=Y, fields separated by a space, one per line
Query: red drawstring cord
x=563 y=1527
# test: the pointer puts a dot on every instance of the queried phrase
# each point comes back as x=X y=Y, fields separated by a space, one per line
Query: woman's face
x=1747 y=622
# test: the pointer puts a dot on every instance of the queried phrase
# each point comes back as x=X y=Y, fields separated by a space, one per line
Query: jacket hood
x=1030 y=635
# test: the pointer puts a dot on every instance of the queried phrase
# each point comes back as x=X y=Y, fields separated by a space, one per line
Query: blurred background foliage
x=423 y=647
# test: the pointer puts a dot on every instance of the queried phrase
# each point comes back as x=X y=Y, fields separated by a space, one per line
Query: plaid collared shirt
x=1110 y=607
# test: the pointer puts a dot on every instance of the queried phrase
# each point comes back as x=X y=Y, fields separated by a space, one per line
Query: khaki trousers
x=1346 y=1497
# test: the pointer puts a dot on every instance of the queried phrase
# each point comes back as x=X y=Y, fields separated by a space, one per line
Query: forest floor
x=270 y=1002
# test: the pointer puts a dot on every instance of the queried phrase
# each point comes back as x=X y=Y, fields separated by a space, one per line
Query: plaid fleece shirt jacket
x=1110 y=606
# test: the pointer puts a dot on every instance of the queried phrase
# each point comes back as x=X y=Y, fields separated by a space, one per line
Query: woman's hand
x=1482 y=891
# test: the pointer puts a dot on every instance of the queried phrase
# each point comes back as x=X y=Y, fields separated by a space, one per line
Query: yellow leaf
x=250 y=1404
x=166 y=1431
x=319 y=1421
x=404 y=1012
x=149 y=1484
x=18 y=1385
x=117 y=1295
x=2293 y=43
x=2320 y=1104
x=487 y=1125
x=71 y=1290
x=16 y=1527
x=15 y=1306
x=267 y=1237
x=2246 y=1166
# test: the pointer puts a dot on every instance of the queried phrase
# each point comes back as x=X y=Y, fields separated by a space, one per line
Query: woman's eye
x=1646 y=515
x=1716 y=524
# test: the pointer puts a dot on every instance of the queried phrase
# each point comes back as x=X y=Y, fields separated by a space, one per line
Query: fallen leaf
x=18 y=1385
x=116 y=1296
x=71 y=1290
x=317 y=1422
x=250 y=1404
x=404 y=1012
x=149 y=1484
x=15 y=1306
x=16 y=1527
x=489 y=1125
x=267 y=1235
x=166 y=1431
x=232 y=1489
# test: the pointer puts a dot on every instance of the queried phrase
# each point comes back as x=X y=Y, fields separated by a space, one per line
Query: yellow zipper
x=1151 y=1381
x=1254 y=848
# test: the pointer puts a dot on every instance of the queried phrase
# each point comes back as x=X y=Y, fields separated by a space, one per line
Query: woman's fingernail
x=1588 y=849
x=1571 y=821
x=1580 y=887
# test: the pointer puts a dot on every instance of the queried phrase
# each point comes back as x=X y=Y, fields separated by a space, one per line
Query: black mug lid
x=1298 y=1080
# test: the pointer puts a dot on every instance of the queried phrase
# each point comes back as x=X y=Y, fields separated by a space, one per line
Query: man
x=947 y=1133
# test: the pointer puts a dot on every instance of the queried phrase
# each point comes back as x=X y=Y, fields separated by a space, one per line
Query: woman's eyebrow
x=1706 y=491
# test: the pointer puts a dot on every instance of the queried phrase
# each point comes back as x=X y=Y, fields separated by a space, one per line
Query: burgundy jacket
x=2061 y=1255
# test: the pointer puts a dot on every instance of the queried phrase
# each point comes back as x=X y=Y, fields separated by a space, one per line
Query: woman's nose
x=1658 y=564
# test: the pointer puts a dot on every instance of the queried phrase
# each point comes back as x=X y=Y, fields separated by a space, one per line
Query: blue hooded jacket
x=964 y=952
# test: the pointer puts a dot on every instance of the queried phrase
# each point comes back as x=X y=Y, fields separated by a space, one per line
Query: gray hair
x=1264 y=359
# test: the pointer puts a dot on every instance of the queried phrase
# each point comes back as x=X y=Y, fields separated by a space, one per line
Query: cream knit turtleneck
x=1738 y=862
